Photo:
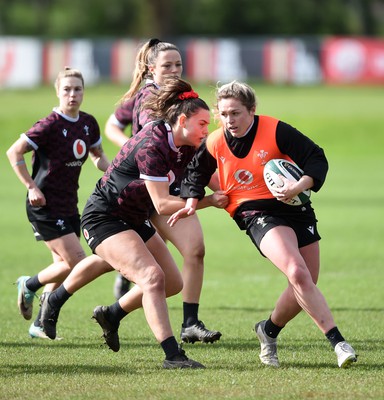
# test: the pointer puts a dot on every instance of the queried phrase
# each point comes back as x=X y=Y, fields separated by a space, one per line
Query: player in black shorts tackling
x=116 y=225
x=155 y=62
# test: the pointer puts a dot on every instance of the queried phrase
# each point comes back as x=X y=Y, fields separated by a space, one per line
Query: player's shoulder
x=46 y=121
x=84 y=116
x=215 y=136
x=146 y=90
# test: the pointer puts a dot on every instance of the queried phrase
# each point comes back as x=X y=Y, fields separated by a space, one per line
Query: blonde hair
x=66 y=73
x=237 y=90
x=146 y=57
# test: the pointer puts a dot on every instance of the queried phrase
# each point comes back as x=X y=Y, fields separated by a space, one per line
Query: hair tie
x=153 y=42
x=188 y=95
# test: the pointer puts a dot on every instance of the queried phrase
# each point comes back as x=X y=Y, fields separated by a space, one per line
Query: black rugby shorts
x=306 y=231
x=98 y=228
x=55 y=228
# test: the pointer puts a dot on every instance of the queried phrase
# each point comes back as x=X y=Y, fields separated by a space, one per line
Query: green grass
x=240 y=286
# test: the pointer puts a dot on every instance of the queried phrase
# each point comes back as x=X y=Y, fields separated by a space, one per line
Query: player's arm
x=306 y=154
x=99 y=158
x=166 y=204
x=15 y=156
x=114 y=132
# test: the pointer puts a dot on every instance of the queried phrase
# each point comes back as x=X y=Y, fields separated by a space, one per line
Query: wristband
x=21 y=162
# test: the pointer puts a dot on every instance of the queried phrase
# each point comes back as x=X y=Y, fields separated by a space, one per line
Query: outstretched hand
x=186 y=211
x=182 y=213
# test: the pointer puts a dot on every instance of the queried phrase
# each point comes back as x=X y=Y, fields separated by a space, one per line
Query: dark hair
x=165 y=103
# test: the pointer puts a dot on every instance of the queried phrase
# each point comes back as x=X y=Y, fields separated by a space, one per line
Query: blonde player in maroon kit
x=61 y=143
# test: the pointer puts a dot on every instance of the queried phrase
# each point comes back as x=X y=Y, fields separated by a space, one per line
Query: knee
x=152 y=280
x=194 y=251
x=299 y=276
x=174 y=286
x=75 y=259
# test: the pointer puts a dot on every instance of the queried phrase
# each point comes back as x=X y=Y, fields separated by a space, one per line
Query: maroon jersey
x=149 y=155
x=130 y=112
x=61 y=145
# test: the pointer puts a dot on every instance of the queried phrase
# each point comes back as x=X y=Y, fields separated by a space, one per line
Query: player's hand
x=219 y=199
x=182 y=213
x=36 y=197
x=286 y=192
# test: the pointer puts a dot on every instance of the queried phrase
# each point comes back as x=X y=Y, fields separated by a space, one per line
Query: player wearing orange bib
x=286 y=235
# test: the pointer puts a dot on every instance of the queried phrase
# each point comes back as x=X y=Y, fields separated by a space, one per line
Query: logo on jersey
x=79 y=148
x=262 y=154
x=244 y=177
x=311 y=229
x=86 y=129
x=65 y=132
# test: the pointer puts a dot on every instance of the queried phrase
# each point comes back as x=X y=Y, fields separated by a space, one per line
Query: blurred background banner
x=29 y=62
x=353 y=60
x=74 y=53
x=20 y=62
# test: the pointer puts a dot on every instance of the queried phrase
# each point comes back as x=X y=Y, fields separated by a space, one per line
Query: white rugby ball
x=278 y=166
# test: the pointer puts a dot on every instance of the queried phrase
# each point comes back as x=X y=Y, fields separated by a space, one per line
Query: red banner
x=353 y=60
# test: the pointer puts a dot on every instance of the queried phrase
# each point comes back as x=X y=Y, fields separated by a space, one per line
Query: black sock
x=271 y=329
x=37 y=320
x=170 y=347
x=334 y=336
x=190 y=311
x=58 y=297
x=116 y=312
x=33 y=284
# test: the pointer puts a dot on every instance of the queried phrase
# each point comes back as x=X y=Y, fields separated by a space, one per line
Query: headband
x=188 y=95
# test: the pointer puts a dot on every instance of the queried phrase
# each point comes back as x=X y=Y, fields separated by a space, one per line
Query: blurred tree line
x=167 y=18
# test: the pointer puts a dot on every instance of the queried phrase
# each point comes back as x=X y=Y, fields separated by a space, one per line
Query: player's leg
x=140 y=266
x=187 y=237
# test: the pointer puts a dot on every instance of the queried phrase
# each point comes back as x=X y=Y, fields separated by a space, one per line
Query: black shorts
x=304 y=224
x=97 y=227
x=54 y=228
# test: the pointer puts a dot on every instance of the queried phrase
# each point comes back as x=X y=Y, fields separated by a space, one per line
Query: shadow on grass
x=66 y=369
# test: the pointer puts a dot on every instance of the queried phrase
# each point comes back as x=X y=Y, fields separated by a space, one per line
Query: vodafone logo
x=86 y=234
x=244 y=177
x=79 y=148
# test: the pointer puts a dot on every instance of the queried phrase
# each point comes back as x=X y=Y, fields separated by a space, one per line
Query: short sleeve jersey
x=61 y=145
x=130 y=112
x=149 y=155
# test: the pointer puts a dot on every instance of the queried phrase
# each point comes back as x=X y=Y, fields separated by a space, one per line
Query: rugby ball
x=275 y=167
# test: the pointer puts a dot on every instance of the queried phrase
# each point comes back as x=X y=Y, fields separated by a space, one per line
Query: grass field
x=240 y=287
